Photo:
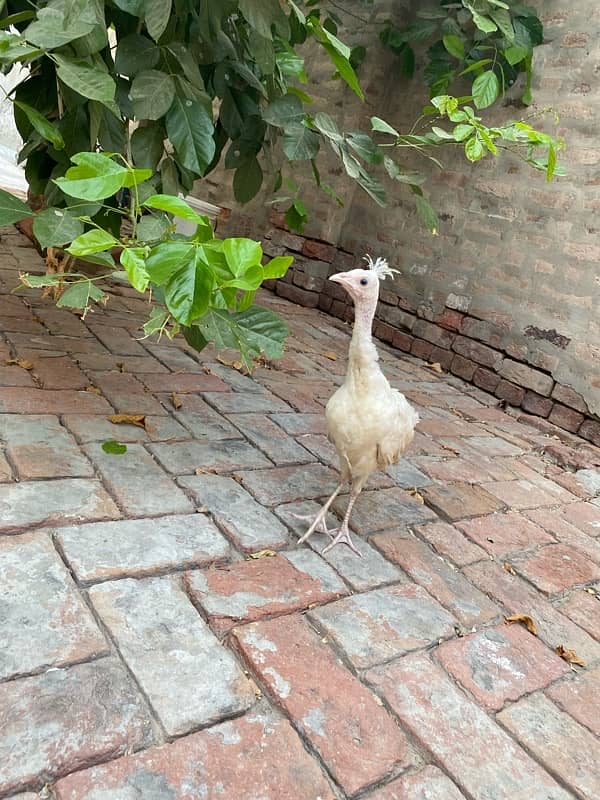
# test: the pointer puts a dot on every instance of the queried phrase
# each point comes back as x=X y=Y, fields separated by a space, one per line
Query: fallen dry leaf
x=205 y=471
x=436 y=366
x=330 y=355
x=129 y=419
x=235 y=364
x=525 y=620
x=18 y=362
x=417 y=495
x=175 y=401
x=262 y=554
x=92 y=390
x=509 y=567
x=569 y=655
x=120 y=366
x=202 y=510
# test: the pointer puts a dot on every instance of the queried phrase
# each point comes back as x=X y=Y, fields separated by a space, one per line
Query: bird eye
x=363 y=281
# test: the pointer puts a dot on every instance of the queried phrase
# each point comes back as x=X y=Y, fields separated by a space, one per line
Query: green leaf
x=78 y=295
x=484 y=23
x=136 y=53
x=45 y=128
x=515 y=54
x=455 y=46
x=263 y=14
x=152 y=94
x=151 y=228
x=474 y=149
x=94 y=241
x=551 y=168
x=166 y=258
x=296 y=216
x=382 y=126
x=114 y=448
x=344 y=68
x=157 y=15
x=12 y=209
x=156 y=322
x=366 y=148
x=427 y=213
x=247 y=180
x=241 y=254
x=50 y=30
x=300 y=143
x=328 y=127
x=284 y=111
x=190 y=129
x=486 y=89
x=461 y=132
x=277 y=267
x=176 y=206
x=194 y=337
x=147 y=146
x=89 y=82
x=134 y=264
x=441 y=133
x=188 y=290
x=95 y=177
x=55 y=227
x=476 y=66
x=502 y=19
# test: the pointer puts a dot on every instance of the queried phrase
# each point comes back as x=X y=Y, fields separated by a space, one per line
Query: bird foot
x=342 y=537
x=318 y=524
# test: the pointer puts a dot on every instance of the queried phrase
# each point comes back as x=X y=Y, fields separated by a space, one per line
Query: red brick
x=508 y=391
x=126 y=393
x=402 y=341
x=579 y=697
x=473 y=750
x=449 y=587
x=450 y=319
x=234 y=760
x=433 y=333
x=13 y=375
x=355 y=737
x=536 y=404
x=299 y=296
x=524 y=493
x=475 y=351
x=501 y=664
x=182 y=382
x=486 y=379
x=460 y=500
x=251 y=590
x=442 y=357
x=566 y=418
x=318 y=250
x=383 y=331
x=557 y=567
x=582 y=607
x=590 y=430
x=575 y=39
x=527 y=377
x=40 y=401
x=463 y=367
x=584 y=516
x=55 y=372
x=428 y=784
x=421 y=349
x=555 y=522
x=501 y=534
x=449 y=542
x=288 y=240
x=118 y=340
x=484 y=331
x=569 y=397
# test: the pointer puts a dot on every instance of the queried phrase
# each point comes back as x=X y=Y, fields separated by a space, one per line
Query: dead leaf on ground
x=569 y=655
x=509 y=567
x=120 y=366
x=202 y=510
x=205 y=471
x=175 y=401
x=261 y=554
x=92 y=390
x=139 y=420
x=436 y=366
x=525 y=620
x=330 y=355
x=417 y=495
x=235 y=364
x=18 y=362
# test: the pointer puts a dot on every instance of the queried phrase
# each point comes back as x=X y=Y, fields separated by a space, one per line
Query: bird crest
x=380 y=267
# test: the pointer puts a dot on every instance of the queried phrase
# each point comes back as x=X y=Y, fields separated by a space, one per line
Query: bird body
x=370 y=423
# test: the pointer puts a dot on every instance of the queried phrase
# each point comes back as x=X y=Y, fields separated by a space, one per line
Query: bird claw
x=342 y=537
x=319 y=527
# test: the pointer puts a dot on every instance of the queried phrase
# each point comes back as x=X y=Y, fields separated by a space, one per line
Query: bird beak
x=339 y=277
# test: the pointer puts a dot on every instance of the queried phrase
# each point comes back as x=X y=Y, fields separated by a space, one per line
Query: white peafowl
x=370 y=424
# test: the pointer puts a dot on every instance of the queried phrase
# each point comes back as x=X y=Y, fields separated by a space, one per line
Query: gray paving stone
x=286 y=484
x=248 y=524
x=407 y=476
x=40 y=447
x=384 y=509
x=95 y=428
x=57 y=502
x=368 y=572
x=245 y=402
x=107 y=550
x=43 y=620
x=6 y=473
x=137 y=481
x=385 y=623
x=300 y=424
x=281 y=448
x=182 y=458
x=204 y=422
x=65 y=719
x=188 y=676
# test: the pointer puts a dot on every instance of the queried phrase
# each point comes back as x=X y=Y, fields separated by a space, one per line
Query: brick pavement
x=143 y=651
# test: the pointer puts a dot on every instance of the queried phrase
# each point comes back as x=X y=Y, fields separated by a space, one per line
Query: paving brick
x=6 y=473
x=14 y=376
x=16 y=400
x=265 y=434
x=246 y=403
x=584 y=516
x=451 y=543
x=518 y=597
x=65 y=719
x=182 y=458
x=248 y=524
x=501 y=664
x=477 y=754
x=383 y=624
x=460 y=500
x=579 y=697
x=566 y=522
x=449 y=587
x=62 y=321
x=357 y=740
x=429 y=783
x=556 y=567
x=53 y=503
x=590 y=429
x=126 y=393
x=583 y=609
x=56 y=372
x=492 y=446
x=524 y=493
x=172 y=357
x=139 y=484
x=285 y=484
x=107 y=362
x=188 y=676
x=501 y=534
x=64 y=345
x=250 y=590
x=182 y=382
x=137 y=547
x=563 y=746
x=232 y=760
x=201 y=420
x=384 y=509
x=44 y=622
x=40 y=447
x=96 y=428
x=407 y=476
x=118 y=340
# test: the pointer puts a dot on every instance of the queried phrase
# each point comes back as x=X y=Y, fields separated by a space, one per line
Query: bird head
x=363 y=284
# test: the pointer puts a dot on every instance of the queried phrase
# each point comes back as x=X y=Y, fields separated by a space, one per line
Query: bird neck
x=362 y=350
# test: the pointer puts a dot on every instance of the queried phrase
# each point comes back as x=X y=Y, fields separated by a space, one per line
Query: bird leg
x=343 y=534
x=319 y=522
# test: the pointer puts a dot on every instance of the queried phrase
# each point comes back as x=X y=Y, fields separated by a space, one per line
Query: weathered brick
x=358 y=741
x=501 y=664
x=56 y=372
x=139 y=484
x=421 y=349
x=65 y=719
x=96 y=428
x=233 y=759
x=568 y=749
x=257 y=402
x=566 y=418
x=460 y=500
x=40 y=447
x=590 y=430
x=443 y=357
x=582 y=608
x=384 y=509
x=251 y=590
x=182 y=458
x=501 y=534
x=57 y=502
x=475 y=351
x=508 y=391
x=251 y=526
x=318 y=250
x=385 y=623
x=305 y=280
x=447 y=585
x=450 y=319
x=430 y=783
x=14 y=375
x=182 y=382
x=396 y=317
x=271 y=439
x=288 y=240
x=536 y=404
x=300 y=424
x=186 y=673
x=137 y=547
x=40 y=401
x=486 y=379
x=527 y=377
x=407 y=476
x=525 y=493
x=126 y=393
x=383 y=332
x=402 y=341
x=433 y=333
x=557 y=567
x=579 y=697
x=569 y=397
x=43 y=623
x=449 y=542
x=297 y=295
x=474 y=751
x=285 y=484
x=463 y=367
x=118 y=340
x=484 y=331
